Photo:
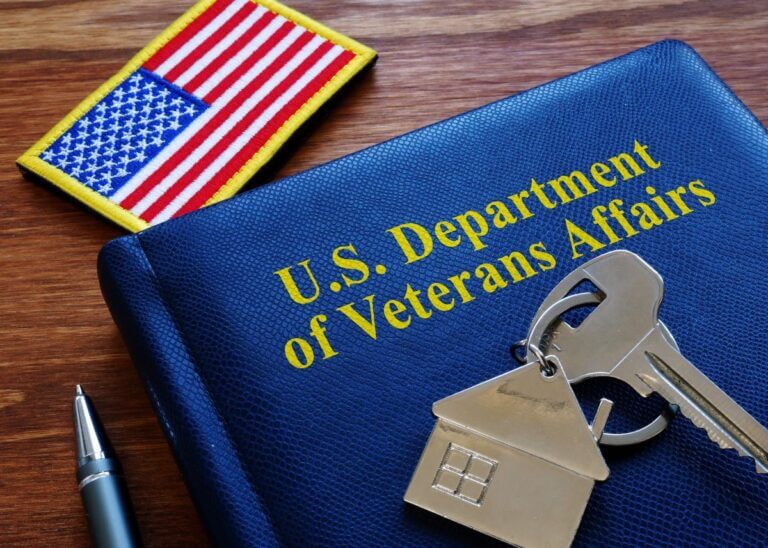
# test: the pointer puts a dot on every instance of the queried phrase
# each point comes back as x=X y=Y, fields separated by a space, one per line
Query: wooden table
x=437 y=59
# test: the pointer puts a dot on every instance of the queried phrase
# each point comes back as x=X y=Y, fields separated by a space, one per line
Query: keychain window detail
x=464 y=474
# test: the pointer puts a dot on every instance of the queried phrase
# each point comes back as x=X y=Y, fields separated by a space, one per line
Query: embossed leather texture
x=323 y=455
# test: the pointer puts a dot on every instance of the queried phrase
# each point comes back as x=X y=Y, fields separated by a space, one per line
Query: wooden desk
x=437 y=59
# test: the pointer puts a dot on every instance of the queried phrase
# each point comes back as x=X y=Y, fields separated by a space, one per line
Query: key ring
x=533 y=352
x=547 y=366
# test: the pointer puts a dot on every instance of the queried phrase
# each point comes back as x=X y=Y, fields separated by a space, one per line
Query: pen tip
x=79 y=390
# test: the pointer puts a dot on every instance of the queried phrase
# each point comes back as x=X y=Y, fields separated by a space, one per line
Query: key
x=548 y=321
x=623 y=338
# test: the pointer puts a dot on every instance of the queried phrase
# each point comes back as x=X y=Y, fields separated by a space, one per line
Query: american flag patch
x=197 y=112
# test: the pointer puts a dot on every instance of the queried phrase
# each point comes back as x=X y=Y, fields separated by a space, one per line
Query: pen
x=100 y=481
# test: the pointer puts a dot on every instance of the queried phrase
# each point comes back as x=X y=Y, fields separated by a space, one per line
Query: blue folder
x=294 y=338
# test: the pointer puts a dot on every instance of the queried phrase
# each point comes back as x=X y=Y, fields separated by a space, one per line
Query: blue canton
x=123 y=132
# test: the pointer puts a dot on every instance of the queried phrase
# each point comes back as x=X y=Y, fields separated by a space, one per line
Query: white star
x=174 y=125
x=85 y=123
x=157 y=140
x=119 y=93
x=190 y=110
x=140 y=156
x=105 y=188
x=48 y=155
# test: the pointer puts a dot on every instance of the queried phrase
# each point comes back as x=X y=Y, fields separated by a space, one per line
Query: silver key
x=549 y=321
x=623 y=338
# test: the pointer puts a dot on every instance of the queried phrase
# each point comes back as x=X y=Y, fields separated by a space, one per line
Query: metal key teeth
x=722 y=439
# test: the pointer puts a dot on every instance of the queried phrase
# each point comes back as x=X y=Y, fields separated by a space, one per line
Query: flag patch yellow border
x=32 y=161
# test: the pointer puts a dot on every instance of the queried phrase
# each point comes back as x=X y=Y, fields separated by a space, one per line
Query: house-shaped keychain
x=513 y=457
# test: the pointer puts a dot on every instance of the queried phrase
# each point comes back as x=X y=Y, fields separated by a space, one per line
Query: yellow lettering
x=442 y=230
x=367 y=325
x=292 y=353
x=317 y=331
x=411 y=255
x=545 y=259
x=349 y=263
x=502 y=216
x=674 y=195
x=578 y=236
x=292 y=287
x=518 y=200
x=538 y=190
x=474 y=226
x=621 y=161
x=458 y=282
x=392 y=309
x=598 y=172
x=492 y=278
x=705 y=197
x=522 y=261
x=436 y=292
x=647 y=217
x=659 y=201
x=642 y=151
x=412 y=296
x=569 y=181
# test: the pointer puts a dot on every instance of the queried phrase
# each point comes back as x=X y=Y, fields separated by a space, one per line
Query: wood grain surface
x=437 y=59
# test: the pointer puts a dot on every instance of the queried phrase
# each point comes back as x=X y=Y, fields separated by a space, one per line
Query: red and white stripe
x=255 y=69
